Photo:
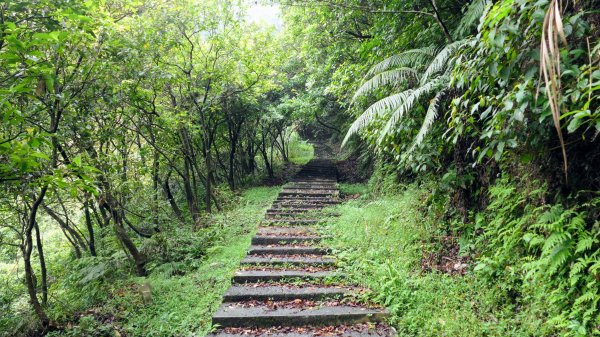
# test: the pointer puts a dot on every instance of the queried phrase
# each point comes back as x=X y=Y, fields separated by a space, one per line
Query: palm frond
x=441 y=59
x=407 y=58
x=407 y=105
x=430 y=116
x=378 y=108
x=384 y=78
x=552 y=35
x=472 y=16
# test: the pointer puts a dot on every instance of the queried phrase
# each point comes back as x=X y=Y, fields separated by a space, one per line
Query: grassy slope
x=184 y=305
x=380 y=241
x=181 y=305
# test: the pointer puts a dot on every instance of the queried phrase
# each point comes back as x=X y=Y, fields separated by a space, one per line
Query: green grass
x=185 y=294
x=352 y=189
x=380 y=241
x=300 y=151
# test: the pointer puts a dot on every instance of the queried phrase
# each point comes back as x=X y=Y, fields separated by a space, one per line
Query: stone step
x=297 y=210
x=293 y=221
x=233 y=315
x=297 y=205
x=310 y=187
x=287 y=260
x=276 y=211
x=245 y=276
x=306 y=194
x=286 y=250
x=358 y=330
x=301 y=203
x=292 y=213
x=238 y=293
x=308 y=198
x=296 y=230
x=277 y=215
x=274 y=239
x=309 y=190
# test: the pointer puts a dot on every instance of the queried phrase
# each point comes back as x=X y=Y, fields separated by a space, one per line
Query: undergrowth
x=188 y=276
x=532 y=267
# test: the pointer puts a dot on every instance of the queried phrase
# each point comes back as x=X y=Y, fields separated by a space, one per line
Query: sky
x=265 y=14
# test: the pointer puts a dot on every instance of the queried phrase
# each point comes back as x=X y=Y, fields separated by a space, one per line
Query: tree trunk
x=44 y=271
x=90 y=227
x=128 y=245
x=26 y=249
x=170 y=198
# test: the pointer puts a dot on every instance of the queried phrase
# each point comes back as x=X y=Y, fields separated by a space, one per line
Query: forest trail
x=286 y=284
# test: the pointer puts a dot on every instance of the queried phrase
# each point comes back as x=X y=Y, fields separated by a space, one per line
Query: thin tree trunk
x=26 y=249
x=90 y=227
x=170 y=197
x=44 y=271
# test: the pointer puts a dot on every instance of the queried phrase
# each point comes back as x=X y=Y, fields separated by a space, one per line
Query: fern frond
x=404 y=59
x=473 y=14
x=408 y=104
x=559 y=256
x=385 y=78
x=430 y=116
x=438 y=64
x=585 y=243
x=554 y=240
x=378 y=108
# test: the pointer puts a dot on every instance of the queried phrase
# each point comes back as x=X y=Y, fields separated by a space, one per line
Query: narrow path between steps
x=286 y=284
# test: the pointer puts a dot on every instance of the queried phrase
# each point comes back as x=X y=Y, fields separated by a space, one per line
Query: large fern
x=472 y=16
x=430 y=116
x=429 y=65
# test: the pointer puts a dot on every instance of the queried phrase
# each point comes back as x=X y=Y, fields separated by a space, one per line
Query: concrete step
x=310 y=187
x=295 y=230
x=309 y=190
x=286 y=250
x=274 y=239
x=278 y=215
x=358 y=330
x=307 y=194
x=245 y=276
x=296 y=205
x=233 y=315
x=292 y=221
x=238 y=293
x=325 y=200
x=287 y=260
x=297 y=210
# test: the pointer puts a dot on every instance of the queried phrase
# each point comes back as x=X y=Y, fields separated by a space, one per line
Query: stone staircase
x=284 y=285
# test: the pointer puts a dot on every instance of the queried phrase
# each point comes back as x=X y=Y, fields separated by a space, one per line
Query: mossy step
x=293 y=221
x=245 y=276
x=308 y=333
x=277 y=211
x=275 y=239
x=286 y=230
x=306 y=194
x=232 y=315
x=308 y=198
x=286 y=250
x=303 y=206
x=237 y=293
x=310 y=187
x=285 y=260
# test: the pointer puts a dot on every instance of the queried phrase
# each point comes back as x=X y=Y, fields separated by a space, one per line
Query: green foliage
x=381 y=240
x=545 y=254
x=186 y=285
x=300 y=152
